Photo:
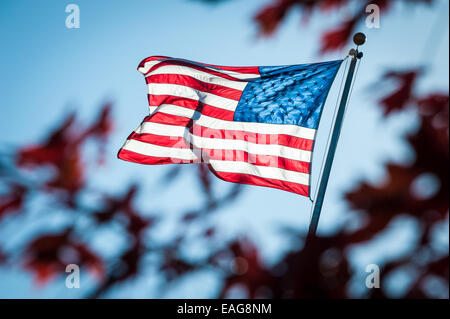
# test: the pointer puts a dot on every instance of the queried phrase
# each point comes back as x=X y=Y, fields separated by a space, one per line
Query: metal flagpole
x=358 y=39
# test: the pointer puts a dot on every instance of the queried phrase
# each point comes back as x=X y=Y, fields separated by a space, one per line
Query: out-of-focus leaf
x=13 y=201
x=100 y=130
x=48 y=255
x=338 y=37
x=173 y=266
x=400 y=97
x=51 y=151
x=245 y=268
x=271 y=16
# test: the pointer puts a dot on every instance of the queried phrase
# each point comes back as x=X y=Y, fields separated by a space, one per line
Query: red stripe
x=205 y=109
x=239 y=69
x=193 y=83
x=169 y=119
x=160 y=140
x=267 y=182
x=130 y=156
x=226 y=155
x=257 y=138
x=193 y=66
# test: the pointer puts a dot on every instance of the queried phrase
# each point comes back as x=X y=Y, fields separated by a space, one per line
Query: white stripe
x=261 y=171
x=260 y=128
x=190 y=93
x=147 y=66
x=152 y=109
x=161 y=129
x=219 y=143
x=159 y=151
x=172 y=109
x=243 y=76
x=199 y=75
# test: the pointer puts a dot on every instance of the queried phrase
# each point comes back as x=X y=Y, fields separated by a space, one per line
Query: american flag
x=251 y=125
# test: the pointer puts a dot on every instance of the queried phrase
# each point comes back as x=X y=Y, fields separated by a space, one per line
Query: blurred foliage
x=57 y=169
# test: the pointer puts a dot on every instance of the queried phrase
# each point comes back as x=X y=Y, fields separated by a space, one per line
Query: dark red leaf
x=338 y=37
x=101 y=129
x=271 y=16
x=50 y=151
x=45 y=257
x=400 y=97
x=13 y=201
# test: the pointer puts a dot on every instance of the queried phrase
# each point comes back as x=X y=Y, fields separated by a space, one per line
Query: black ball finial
x=359 y=38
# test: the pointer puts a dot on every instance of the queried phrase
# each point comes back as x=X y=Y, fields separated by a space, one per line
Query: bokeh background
x=70 y=97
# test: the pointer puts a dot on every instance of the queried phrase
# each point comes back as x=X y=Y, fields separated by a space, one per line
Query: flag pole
x=359 y=39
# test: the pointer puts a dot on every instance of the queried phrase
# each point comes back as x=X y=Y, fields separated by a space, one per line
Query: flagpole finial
x=359 y=38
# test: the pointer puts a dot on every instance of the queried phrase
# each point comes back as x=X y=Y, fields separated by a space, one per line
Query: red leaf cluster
x=271 y=16
x=173 y=266
x=245 y=268
x=62 y=151
x=122 y=209
x=13 y=201
x=399 y=193
x=400 y=98
x=336 y=38
x=48 y=255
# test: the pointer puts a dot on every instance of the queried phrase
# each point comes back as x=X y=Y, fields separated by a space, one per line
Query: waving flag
x=252 y=125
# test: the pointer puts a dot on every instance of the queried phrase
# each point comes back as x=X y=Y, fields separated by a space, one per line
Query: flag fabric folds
x=251 y=125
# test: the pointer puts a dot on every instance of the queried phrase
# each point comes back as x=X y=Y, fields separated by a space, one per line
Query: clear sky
x=48 y=70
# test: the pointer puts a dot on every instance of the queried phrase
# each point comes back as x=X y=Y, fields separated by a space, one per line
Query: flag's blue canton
x=287 y=94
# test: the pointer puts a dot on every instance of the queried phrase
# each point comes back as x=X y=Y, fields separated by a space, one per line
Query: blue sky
x=49 y=70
